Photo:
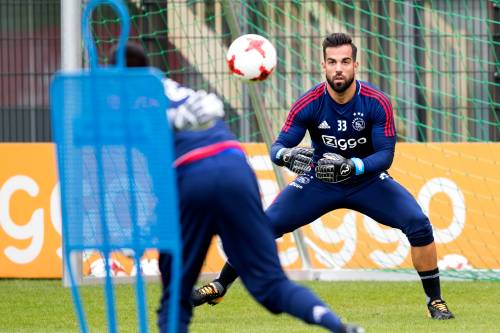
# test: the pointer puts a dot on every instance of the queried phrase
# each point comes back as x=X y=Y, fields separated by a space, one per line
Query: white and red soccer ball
x=98 y=268
x=251 y=57
x=454 y=262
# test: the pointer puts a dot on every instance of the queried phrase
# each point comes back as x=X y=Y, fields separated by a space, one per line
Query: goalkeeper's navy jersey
x=362 y=128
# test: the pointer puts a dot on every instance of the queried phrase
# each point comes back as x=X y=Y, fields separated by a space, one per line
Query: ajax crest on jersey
x=358 y=124
x=251 y=58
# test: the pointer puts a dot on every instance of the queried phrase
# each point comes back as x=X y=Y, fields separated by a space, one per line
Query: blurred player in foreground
x=218 y=194
x=353 y=135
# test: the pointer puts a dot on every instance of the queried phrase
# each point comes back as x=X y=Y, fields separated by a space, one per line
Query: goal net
x=438 y=62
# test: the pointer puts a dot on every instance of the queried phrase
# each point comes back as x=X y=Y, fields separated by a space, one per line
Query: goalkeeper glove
x=297 y=159
x=334 y=168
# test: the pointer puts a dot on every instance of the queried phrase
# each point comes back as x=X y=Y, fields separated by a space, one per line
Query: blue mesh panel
x=115 y=153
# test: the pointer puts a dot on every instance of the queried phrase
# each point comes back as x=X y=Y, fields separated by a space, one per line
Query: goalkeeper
x=353 y=135
x=218 y=194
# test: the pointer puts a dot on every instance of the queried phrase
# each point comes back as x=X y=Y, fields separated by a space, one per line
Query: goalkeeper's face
x=339 y=67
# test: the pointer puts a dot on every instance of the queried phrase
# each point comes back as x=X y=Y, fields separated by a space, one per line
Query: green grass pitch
x=45 y=306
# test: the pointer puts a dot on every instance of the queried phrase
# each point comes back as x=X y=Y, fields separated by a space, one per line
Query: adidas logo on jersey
x=324 y=125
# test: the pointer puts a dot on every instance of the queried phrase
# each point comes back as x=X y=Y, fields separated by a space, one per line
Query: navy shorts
x=379 y=197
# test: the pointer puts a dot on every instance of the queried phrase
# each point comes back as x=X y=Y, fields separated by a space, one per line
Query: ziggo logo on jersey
x=342 y=144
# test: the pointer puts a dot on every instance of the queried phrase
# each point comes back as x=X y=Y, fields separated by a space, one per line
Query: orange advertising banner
x=456 y=184
x=458 y=187
x=30 y=213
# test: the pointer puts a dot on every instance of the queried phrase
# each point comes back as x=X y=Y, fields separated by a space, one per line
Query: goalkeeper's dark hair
x=338 y=39
x=135 y=56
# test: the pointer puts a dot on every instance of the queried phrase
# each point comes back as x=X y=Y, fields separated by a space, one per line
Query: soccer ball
x=455 y=262
x=148 y=267
x=98 y=268
x=251 y=57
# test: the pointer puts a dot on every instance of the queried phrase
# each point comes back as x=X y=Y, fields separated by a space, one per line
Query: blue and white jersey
x=196 y=118
x=362 y=128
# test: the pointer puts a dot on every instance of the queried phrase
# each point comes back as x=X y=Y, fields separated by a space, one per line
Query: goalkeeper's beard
x=340 y=88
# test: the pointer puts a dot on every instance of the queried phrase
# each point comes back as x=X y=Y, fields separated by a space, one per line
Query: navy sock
x=431 y=284
x=227 y=275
